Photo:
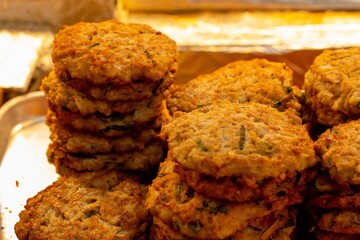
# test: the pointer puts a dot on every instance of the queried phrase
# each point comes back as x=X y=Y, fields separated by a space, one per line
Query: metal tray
x=24 y=169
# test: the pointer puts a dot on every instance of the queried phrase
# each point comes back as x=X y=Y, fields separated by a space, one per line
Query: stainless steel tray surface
x=24 y=169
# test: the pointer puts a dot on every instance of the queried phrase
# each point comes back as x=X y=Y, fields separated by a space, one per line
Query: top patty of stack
x=112 y=52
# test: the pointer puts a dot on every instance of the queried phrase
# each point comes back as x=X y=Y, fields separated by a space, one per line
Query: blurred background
x=209 y=33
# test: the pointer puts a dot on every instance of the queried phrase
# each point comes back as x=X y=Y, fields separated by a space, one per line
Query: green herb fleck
x=90 y=213
x=358 y=105
x=289 y=89
x=195 y=225
x=254 y=228
x=94 y=45
x=154 y=91
x=202 y=146
x=213 y=210
x=200 y=106
x=242 y=138
x=277 y=104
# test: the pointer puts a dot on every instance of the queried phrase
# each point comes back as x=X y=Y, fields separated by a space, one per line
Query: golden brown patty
x=195 y=215
x=135 y=91
x=96 y=205
x=332 y=86
x=144 y=159
x=325 y=235
x=337 y=201
x=257 y=80
x=250 y=140
x=113 y=52
x=340 y=221
x=290 y=190
x=338 y=148
x=61 y=95
x=80 y=142
x=114 y=125
x=268 y=227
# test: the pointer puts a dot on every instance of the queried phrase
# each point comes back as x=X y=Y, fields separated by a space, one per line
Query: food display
x=106 y=96
x=241 y=152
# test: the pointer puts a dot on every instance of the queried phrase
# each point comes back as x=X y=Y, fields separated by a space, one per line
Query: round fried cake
x=332 y=86
x=194 y=215
x=326 y=235
x=340 y=221
x=89 y=143
x=338 y=148
x=150 y=156
x=115 y=124
x=268 y=227
x=113 y=52
x=250 y=140
x=257 y=80
x=135 y=91
x=61 y=95
x=289 y=189
x=94 y=205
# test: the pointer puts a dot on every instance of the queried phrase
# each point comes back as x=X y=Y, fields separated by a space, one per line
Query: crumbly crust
x=250 y=140
x=256 y=80
x=332 y=86
x=96 y=205
x=113 y=52
x=338 y=148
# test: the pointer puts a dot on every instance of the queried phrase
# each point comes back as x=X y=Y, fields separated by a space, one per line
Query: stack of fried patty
x=107 y=95
x=233 y=171
x=335 y=205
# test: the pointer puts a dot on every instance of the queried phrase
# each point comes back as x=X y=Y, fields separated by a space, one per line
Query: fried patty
x=193 y=214
x=114 y=125
x=250 y=140
x=256 y=80
x=265 y=228
x=332 y=86
x=135 y=91
x=338 y=148
x=113 y=52
x=73 y=141
x=61 y=95
x=95 y=205
x=144 y=159
x=340 y=221
x=290 y=190
x=325 y=235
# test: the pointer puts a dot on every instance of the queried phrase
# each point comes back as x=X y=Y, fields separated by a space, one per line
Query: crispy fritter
x=265 y=228
x=336 y=201
x=114 y=125
x=195 y=215
x=113 y=52
x=150 y=156
x=96 y=205
x=340 y=221
x=61 y=95
x=256 y=80
x=250 y=140
x=338 y=148
x=290 y=189
x=134 y=91
x=332 y=86
x=73 y=141
x=325 y=235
